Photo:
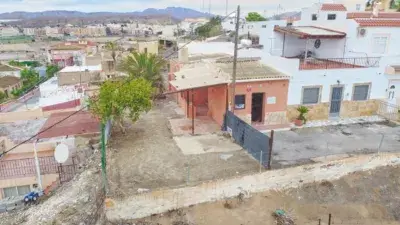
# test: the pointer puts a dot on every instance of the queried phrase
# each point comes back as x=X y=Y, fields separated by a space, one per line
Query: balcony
x=338 y=63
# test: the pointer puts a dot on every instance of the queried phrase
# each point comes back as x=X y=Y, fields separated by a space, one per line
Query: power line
x=81 y=109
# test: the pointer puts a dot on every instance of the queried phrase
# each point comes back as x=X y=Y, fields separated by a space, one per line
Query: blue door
x=336 y=101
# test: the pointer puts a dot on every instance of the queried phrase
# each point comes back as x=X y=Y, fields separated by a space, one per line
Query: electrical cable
x=84 y=107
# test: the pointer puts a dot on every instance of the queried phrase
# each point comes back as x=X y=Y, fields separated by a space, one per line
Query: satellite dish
x=61 y=153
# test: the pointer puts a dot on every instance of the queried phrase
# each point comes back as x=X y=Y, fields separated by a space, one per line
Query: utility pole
x=235 y=56
x=226 y=8
x=39 y=177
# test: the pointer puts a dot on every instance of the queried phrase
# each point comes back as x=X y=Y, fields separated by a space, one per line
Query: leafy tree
x=211 y=28
x=29 y=77
x=51 y=70
x=113 y=47
x=144 y=65
x=117 y=99
x=254 y=16
x=3 y=96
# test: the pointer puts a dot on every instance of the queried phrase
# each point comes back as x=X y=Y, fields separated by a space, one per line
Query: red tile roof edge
x=387 y=15
x=333 y=7
x=376 y=22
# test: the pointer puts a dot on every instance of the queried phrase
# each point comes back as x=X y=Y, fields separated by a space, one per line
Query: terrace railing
x=338 y=63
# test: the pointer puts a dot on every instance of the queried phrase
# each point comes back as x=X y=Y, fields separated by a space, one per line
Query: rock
x=86 y=199
x=225 y=157
x=347 y=132
x=142 y=190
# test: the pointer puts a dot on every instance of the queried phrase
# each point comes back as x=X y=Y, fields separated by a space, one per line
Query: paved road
x=303 y=145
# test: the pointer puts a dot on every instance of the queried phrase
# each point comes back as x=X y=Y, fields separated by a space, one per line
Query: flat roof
x=7 y=81
x=248 y=69
x=312 y=32
x=69 y=69
x=79 y=124
x=198 y=75
x=4 y=68
x=20 y=131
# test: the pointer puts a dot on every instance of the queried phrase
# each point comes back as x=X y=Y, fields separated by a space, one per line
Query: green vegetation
x=117 y=99
x=30 y=78
x=254 y=16
x=16 y=39
x=24 y=64
x=3 y=96
x=113 y=47
x=144 y=65
x=210 y=29
x=51 y=70
x=302 y=113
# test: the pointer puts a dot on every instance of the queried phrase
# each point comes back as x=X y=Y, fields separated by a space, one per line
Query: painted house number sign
x=271 y=100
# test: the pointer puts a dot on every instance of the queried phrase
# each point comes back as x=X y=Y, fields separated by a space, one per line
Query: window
x=331 y=16
x=311 y=95
x=314 y=17
x=240 y=101
x=379 y=45
x=360 y=92
x=358 y=7
x=264 y=26
x=16 y=191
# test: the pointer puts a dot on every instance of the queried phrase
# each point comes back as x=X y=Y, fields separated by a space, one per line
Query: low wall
x=359 y=108
x=348 y=109
x=9 y=117
x=155 y=202
x=316 y=112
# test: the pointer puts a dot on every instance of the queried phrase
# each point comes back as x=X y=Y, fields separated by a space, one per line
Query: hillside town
x=240 y=118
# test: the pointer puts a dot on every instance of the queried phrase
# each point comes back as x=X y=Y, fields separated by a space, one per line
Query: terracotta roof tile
x=387 y=15
x=333 y=7
x=377 y=22
x=78 y=124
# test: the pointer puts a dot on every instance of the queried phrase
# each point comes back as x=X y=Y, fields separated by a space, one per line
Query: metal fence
x=10 y=169
x=338 y=63
x=255 y=142
x=389 y=111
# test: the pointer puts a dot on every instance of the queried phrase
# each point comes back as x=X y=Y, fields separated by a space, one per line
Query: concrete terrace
x=21 y=130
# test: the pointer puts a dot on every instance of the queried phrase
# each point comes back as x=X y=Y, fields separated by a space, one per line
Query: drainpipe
x=39 y=178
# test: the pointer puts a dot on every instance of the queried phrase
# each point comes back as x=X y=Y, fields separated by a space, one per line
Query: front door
x=336 y=101
x=257 y=104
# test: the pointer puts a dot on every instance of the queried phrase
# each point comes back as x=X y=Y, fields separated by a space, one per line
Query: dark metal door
x=336 y=101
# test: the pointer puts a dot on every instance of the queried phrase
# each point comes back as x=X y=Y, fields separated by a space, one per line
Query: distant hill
x=178 y=13
x=285 y=15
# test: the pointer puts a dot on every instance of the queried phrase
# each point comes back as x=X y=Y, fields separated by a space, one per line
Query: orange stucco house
x=260 y=91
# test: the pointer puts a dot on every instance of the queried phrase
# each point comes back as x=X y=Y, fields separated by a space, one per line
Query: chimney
x=183 y=55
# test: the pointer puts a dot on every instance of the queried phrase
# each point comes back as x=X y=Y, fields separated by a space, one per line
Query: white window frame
x=377 y=41
x=331 y=14
x=368 y=93
x=311 y=87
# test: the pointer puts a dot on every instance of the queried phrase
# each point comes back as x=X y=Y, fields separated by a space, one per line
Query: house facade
x=337 y=60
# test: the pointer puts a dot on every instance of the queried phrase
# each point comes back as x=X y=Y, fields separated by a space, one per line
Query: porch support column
x=192 y=112
x=283 y=47
x=187 y=103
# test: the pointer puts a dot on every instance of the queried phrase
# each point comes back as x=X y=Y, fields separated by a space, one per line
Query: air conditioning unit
x=362 y=32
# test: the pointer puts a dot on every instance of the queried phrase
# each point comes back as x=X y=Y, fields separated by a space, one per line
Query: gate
x=251 y=139
x=336 y=101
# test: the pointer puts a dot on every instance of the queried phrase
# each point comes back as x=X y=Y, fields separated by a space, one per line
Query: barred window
x=311 y=95
x=240 y=101
x=361 y=92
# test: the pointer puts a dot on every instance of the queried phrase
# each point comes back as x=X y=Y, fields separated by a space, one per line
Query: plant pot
x=298 y=122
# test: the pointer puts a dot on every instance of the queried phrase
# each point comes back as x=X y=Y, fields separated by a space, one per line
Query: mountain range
x=178 y=13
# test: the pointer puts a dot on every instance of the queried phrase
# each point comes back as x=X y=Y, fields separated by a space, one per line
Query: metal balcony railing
x=338 y=63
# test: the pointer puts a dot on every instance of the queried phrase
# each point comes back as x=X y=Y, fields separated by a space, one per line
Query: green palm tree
x=113 y=47
x=144 y=65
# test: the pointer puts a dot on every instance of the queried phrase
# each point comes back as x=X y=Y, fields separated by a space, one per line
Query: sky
x=217 y=6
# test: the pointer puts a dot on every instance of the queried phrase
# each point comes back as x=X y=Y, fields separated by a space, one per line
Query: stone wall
x=316 y=112
x=359 y=108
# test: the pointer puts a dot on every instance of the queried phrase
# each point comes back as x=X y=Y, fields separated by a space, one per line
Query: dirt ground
x=147 y=157
x=367 y=198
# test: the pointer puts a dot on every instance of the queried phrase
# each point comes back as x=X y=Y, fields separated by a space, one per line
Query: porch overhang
x=198 y=82
x=310 y=32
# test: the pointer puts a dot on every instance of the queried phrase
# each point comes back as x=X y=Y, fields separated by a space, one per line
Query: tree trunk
x=121 y=125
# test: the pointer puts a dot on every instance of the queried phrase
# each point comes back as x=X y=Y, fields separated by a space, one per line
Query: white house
x=337 y=59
